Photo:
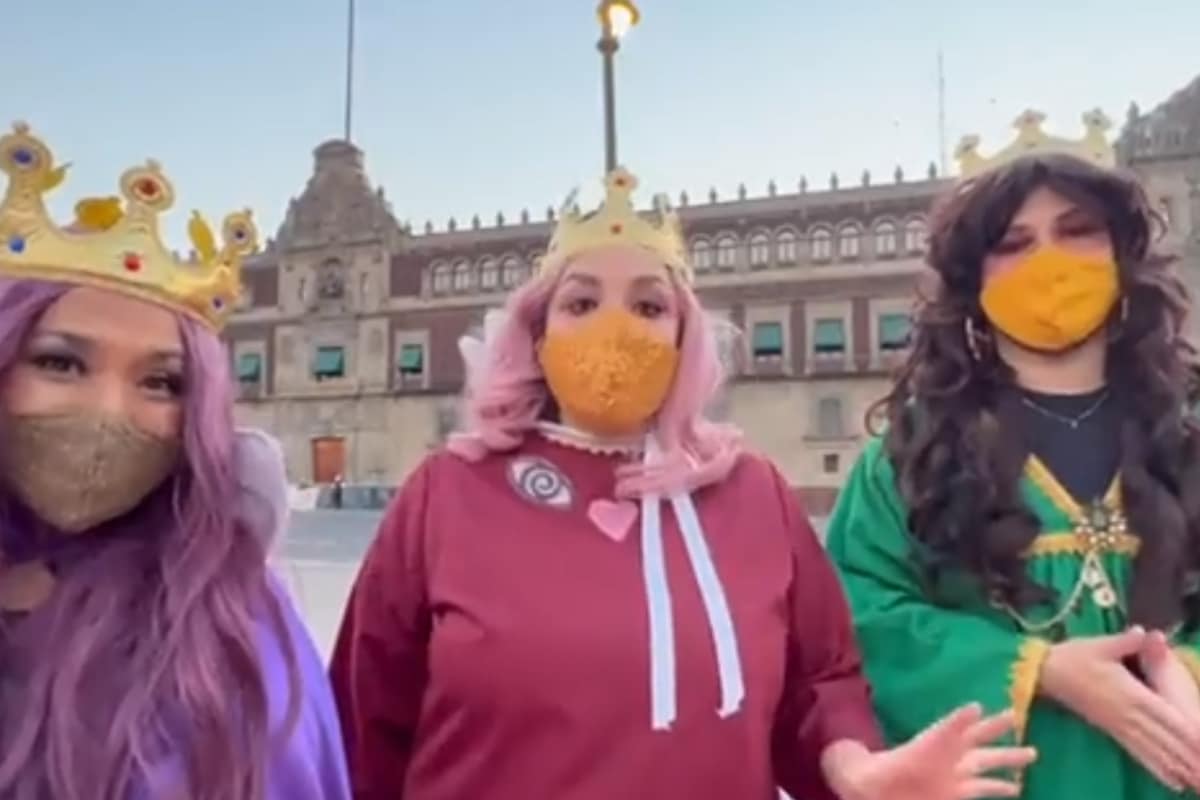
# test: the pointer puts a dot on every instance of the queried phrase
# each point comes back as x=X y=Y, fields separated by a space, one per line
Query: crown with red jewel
x=114 y=242
x=616 y=222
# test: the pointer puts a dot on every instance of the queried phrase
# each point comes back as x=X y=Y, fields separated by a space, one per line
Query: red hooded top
x=495 y=646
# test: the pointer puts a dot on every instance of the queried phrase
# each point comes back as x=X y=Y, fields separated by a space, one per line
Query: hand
x=1088 y=677
x=1169 y=676
x=1171 y=679
x=947 y=761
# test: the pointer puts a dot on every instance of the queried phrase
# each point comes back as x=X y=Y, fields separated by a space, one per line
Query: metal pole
x=349 y=68
x=941 y=113
x=608 y=48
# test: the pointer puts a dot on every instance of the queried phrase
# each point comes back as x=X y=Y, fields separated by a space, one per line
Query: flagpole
x=349 y=69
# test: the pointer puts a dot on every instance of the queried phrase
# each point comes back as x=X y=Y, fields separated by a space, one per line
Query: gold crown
x=616 y=222
x=1094 y=147
x=115 y=247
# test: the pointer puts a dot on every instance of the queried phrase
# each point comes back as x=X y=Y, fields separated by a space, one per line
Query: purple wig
x=144 y=661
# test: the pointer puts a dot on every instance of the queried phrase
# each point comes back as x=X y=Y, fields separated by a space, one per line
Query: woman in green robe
x=1026 y=531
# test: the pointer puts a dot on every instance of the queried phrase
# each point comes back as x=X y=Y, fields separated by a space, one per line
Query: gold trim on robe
x=1061 y=543
x=1037 y=471
x=1026 y=671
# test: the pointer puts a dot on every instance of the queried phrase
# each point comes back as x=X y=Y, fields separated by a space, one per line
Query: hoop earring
x=973 y=338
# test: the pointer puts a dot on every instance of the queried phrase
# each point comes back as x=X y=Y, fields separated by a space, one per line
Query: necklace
x=1071 y=422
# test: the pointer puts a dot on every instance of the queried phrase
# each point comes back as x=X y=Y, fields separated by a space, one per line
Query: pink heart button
x=614 y=518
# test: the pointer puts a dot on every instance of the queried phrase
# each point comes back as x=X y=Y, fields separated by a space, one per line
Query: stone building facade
x=346 y=343
x=1163 y=147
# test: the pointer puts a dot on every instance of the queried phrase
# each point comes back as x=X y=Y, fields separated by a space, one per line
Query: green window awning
x=249 y=367
x=412 y=359
x=893 y=331
x=330 y=362
x=829 y=336
x=768 y=339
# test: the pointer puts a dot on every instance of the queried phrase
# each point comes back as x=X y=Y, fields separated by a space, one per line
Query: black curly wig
x=959 y=473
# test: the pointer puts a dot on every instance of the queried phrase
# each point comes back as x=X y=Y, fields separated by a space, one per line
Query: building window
x=830 y=463
x=894 y=330
x=822 y=245
x=768 y=340
x=535 y=262
x=702 y=255
x=329 y=363
x=760 y=251
x=726 y=252
x=441 y=278
x=462 y=276
x=830 y=422
x=512 y=272
x=411 y=362
x=885 y=239
x=829 y=337
x=786 y=251
x=489 y=274
x=249 y=368
x=914 y=236
x=849 y=240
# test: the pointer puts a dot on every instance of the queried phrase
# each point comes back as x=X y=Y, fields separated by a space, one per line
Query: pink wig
x=506 y=395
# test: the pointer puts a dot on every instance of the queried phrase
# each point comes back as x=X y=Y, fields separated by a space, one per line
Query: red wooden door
x=329 y=459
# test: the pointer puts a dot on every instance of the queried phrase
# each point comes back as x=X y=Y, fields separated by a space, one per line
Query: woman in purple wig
x=145 y=650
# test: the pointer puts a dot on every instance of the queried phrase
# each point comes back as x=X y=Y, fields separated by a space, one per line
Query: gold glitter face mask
x=76 y=471
x=611 y=374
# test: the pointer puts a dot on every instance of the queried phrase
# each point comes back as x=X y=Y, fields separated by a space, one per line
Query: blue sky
x=476 y=106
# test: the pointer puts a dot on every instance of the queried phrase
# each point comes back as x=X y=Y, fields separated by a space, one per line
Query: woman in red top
x=594 y=594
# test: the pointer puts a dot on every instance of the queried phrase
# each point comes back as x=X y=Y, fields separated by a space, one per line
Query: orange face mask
x=611 y=374
x=1052 y=300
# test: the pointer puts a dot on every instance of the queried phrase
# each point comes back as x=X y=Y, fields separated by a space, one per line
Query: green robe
x=924 y=659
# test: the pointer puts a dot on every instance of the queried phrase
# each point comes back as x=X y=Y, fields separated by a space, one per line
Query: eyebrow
x=78 y=341
x=591 y=280
x=1076 y=212
x=1072 y=213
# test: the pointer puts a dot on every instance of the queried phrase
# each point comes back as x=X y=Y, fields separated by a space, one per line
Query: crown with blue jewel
x=114 y=242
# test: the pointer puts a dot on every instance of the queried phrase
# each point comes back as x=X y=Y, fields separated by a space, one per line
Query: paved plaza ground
x=319 y=559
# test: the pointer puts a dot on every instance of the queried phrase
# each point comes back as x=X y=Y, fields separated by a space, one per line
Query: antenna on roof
x=941 y=78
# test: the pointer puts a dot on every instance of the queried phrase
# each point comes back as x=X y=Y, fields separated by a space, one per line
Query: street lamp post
x=617 y=17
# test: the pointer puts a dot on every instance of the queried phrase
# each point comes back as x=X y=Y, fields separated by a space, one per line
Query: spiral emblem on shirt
x=540 y=482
